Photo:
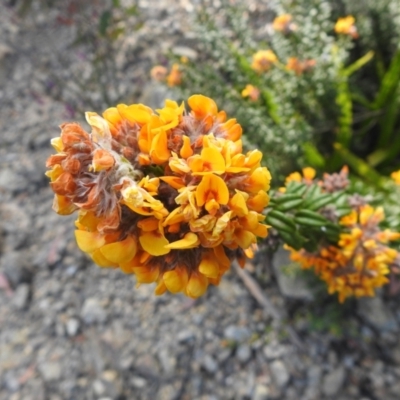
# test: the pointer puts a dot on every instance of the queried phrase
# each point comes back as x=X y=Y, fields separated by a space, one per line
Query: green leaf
x=389 y=82
x=312 y=156
x=358 y=64
x=343 y=100
x=360 y=166
x=104 y=23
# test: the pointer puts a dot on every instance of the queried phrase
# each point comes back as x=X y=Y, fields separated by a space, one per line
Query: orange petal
x=189 y=241
x=154 y=243
x=186 y=150
x=238 y=205
x=88 y=242
x=202 y=106
x=176 y=280
x=160 y=288
x=148 y=224
x=102 y=160
x=197 y=285
x=101 y=261
x=173 y=181
x=147 y=274
x=212 y=187
x=209 y=266
x=120 y=252
x=159 y=151
x=135 y=113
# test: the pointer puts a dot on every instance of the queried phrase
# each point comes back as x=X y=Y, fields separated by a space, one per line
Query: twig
x=256 y=291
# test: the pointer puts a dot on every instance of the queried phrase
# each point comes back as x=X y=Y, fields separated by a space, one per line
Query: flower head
x=345 y=26
x=167 y=195
x=360 y=262
x=283 y=23
x=251 y=92
x=159 y=73
x=174 y=77
x=396 y=176
x=298 y=66
x=263 y=60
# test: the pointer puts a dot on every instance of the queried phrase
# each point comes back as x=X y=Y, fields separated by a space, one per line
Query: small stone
x=138 y=382
x=21 y=296
x=333 y=381
x=92 y=311
x=261 y=392
x=209 y=364
x=243 y=353
x=98 y=387
x=290 y=283
x=374 y=311
x=50 y=370
x=237 y=333
x=72 y=327
x=274 y=350
x=314 y=375
x=186 y=336
x=279 y=373
x=168 y=363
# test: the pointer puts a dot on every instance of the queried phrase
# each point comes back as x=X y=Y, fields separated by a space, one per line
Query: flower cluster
x=360 y=262
x=167 y=196
x=263 y=60
x=283 y=23
x=251 y=92
x=172 y=78
x=299 y=66
x=345 y=26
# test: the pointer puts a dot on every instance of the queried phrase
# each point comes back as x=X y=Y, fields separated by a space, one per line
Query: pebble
x=333 y=381
x=237 y=333
x=243 y=353
x=72 y=326
x=209 y=364
x=261 y=392
x=50 y=370
x=21 y=296
x=279 y=373
x=92 y=311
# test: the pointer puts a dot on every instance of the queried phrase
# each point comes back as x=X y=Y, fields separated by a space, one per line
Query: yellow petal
x=135 y=113
x=100 y=260
x=176 y=280
x=160 y=288
x=120 y=252
x=209 y=266
x=212 y=187
x=186 y=150
x=154 y=243
x=147 y=274
x=159 y=151
x=197 y=285
x=238 y=205
x=189 y=241
x=88 y=242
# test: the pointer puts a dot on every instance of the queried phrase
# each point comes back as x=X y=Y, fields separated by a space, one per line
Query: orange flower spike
x=102 y=160
x=211 y=187
x=176 y=279
x=186 y=150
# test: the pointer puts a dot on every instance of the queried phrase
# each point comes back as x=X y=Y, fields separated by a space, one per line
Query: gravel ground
x=70 y=330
